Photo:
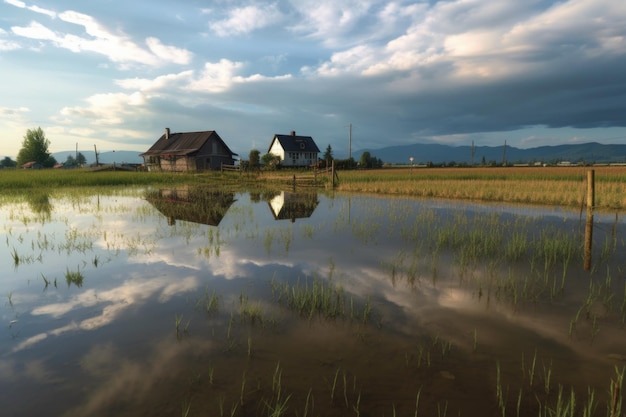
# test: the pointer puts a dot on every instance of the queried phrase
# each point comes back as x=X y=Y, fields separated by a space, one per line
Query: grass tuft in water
x=74 y=277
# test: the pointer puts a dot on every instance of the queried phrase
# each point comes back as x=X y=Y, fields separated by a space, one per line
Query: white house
x=294 y=151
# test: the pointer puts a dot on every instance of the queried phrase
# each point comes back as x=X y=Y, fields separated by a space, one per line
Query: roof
x=294 y=143
x=31 y=164
x=184 y=143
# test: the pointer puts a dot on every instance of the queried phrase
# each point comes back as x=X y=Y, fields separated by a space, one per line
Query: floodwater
x=195 y=302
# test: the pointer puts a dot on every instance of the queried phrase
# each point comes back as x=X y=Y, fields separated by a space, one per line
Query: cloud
x=16 y=3
x=114 y=302
x=331 y=22
x=217 y=77
x=473 y=40
x=159 y=83
x=169 y=53
x=109 y=108
x=400 y=70
x=36 y=9
x=6 y=45
x=243 y=20
x=7 y=111
x=117 y=47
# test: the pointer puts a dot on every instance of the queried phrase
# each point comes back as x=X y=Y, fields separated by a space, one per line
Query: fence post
x=589 y=221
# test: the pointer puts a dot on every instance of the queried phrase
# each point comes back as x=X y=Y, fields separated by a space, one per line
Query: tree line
x=271 y=161
x=35 y=149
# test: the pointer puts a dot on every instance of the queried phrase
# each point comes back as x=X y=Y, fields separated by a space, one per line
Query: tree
x=35 y=148
x=254 y=159
x=8 y=162
x=80 y=159
x=270 y=160
x=70 y=161
x=328 y=155
x=366 y=160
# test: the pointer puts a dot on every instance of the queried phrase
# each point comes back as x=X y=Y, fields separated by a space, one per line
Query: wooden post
x=591 y=189
x=294 y=182
x=589 y=221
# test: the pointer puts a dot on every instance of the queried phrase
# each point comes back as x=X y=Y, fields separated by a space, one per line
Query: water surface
x=176 y=302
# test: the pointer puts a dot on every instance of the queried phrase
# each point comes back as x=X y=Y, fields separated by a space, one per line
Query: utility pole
x=504 y=154
x=472 y=153
x=350 y=145
x=96 y=151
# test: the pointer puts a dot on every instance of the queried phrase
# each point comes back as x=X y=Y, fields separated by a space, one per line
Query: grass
x=563 y=186
x=320 y=298
x=74 y=277
x=19 y=179
x=534 y=185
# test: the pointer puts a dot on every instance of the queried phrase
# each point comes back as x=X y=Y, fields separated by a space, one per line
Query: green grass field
x=562 y=186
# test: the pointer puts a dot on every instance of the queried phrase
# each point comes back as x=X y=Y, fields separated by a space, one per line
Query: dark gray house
x=188 y=151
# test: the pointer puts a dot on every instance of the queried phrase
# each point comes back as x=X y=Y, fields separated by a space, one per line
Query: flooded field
x=194 y=302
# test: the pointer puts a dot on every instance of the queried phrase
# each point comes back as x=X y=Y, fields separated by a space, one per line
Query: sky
x=115 y=75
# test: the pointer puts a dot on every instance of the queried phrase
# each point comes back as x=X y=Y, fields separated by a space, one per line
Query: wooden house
x=202 y=205
x=294 y=151
x=188 y=151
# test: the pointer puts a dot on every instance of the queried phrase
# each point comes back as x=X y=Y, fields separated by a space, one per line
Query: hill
x=429 y=152
x=118 y=157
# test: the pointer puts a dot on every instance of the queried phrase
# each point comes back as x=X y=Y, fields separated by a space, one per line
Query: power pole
x=350 y=145
x=504 y=154
x=96 y=151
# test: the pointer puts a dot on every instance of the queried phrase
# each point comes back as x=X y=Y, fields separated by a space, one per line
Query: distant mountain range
x=118 y=157
x=423 y=153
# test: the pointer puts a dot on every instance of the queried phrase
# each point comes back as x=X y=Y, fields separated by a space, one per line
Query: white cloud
x=16 y=3
x=169 y=53
x=114 y=302
x=216 y=77
x=329 y=21
x=8 y=111
x=220 y=76
x=46 y=12
x=6 y=45
x=243 y=20
x=587 y=26
x=478 y=39
x=109 y=108
x=35 y=9
x=118 y=48
x=34 y=31
x=159 y=83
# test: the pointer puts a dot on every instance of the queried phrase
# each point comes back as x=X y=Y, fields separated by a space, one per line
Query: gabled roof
x=184 y=143
x=294 y=143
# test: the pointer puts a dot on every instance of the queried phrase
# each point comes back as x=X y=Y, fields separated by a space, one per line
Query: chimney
x=293 y=133
x=167 y=133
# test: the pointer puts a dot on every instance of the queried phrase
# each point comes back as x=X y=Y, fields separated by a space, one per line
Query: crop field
x=559 y=186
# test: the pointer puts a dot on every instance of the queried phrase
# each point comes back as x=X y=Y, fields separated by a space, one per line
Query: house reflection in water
x=293 y=206
x=195 y=204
